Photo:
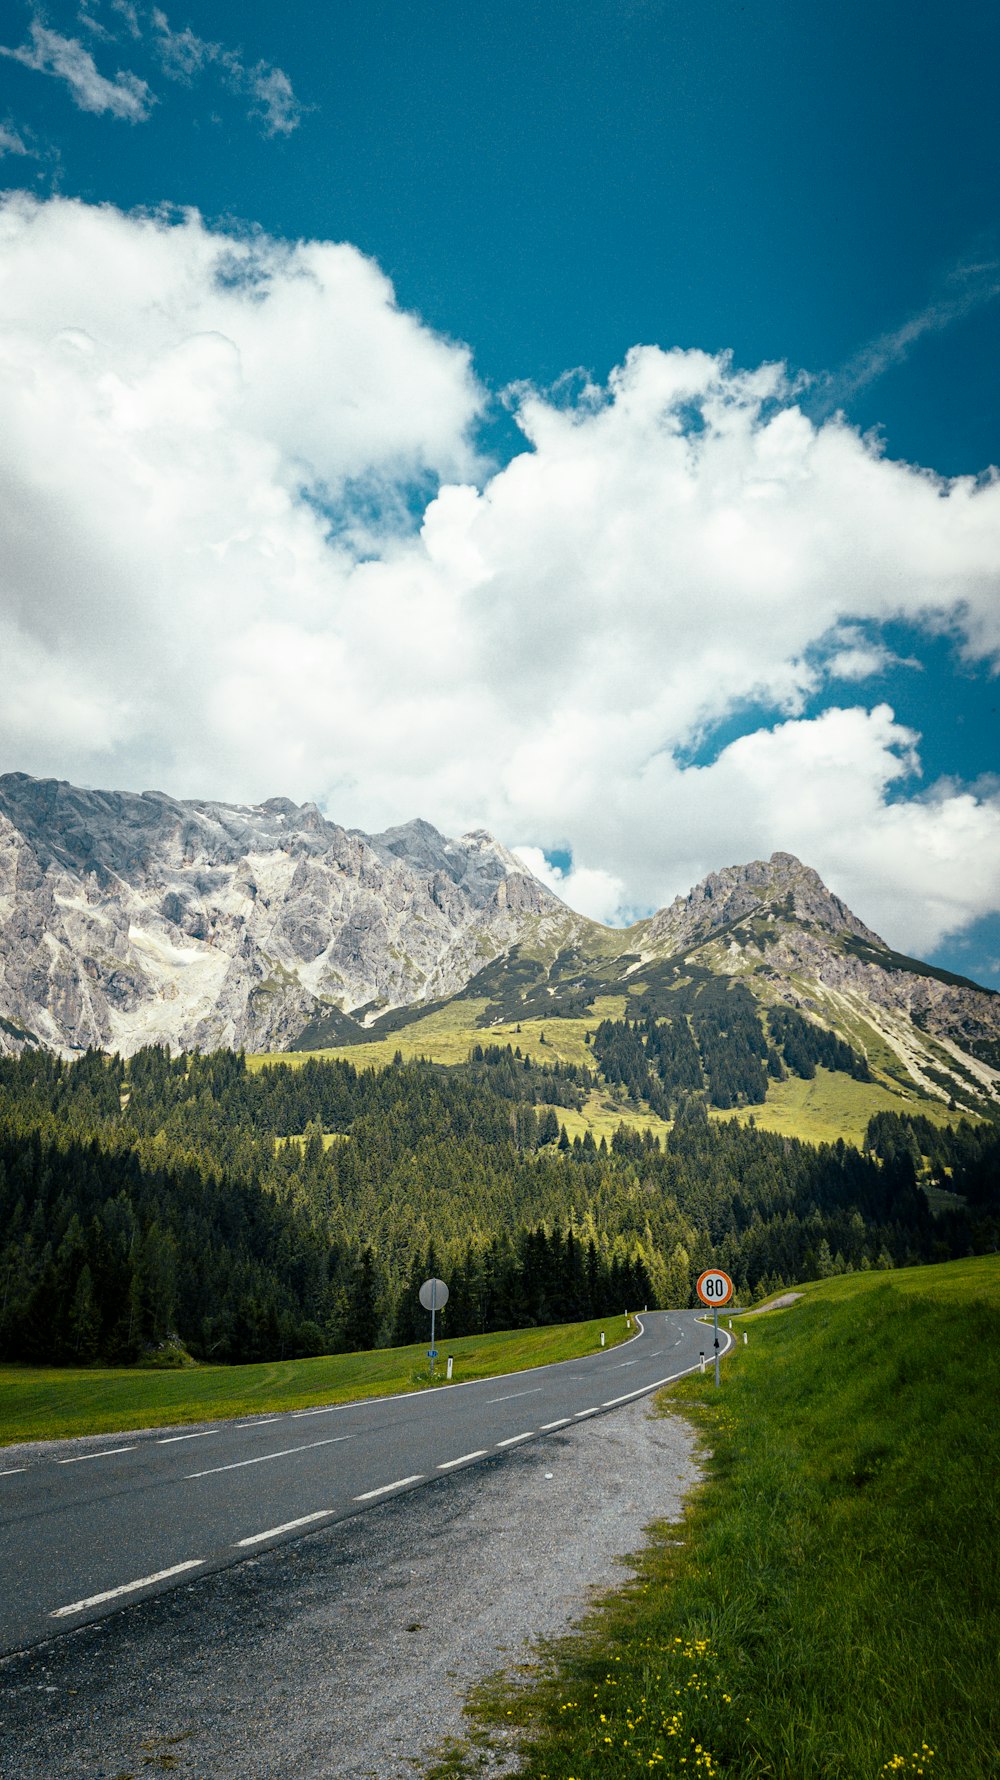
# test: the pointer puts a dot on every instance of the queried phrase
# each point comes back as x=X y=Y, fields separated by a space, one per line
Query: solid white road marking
x=82 y=1457
x=171 y=1439
x=514 y=1438
x=306 y=1446
x=532 y=1393
x=126 y=1588
x=288 y=1527
x=399 y=1484
x=561 y=1423
x=449 y=1464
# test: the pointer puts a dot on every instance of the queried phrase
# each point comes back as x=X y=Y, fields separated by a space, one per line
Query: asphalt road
x=90 y=1526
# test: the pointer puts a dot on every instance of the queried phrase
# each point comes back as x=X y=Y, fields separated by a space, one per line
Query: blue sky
x=553 y=186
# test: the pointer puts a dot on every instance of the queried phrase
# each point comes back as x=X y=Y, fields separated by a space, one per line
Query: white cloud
x=199 y=430
x=66 y=59
x=183 y=55
x=11 y=141
x=276 y=104
x=970 y=285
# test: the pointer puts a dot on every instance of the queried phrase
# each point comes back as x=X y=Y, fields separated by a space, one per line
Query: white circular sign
x=714 y=1287
x=434 y=1294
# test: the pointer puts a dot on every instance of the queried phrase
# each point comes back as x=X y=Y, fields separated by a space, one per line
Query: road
x=89 y=1526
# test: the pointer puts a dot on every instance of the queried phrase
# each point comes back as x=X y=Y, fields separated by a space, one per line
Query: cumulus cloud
x=214 y=449
x=67 y=59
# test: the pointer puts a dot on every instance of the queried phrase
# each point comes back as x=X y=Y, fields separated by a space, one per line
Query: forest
x=192 y=1202
x=714 y=1039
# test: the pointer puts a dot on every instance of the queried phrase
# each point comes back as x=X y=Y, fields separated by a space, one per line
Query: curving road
x=88 y=1526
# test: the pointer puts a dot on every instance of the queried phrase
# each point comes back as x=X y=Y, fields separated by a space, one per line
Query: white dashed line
x=264 y=1456
x=266 y=1423
x=399 y=1484
x=581 y=1412
x=171 y=1439
x=449 y=1464
x=82 y=1457
x=327 y=1409
x=561 y=1423
x=127 y=1588
x=532 y=1393
x=14 y=1471
x=289 y=1526
x=514 y=1438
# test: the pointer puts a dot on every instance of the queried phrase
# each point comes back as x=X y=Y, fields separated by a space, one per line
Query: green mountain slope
x=762 y=946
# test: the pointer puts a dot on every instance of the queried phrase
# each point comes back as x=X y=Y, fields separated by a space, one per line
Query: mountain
x=126 y=920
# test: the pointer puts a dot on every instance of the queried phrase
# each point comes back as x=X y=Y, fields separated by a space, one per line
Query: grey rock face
x=127 y=919
x=781 y=885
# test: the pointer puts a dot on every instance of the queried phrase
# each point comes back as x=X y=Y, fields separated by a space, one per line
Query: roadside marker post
x=714 y=1288
x=433 y=1296
x=451 y=1363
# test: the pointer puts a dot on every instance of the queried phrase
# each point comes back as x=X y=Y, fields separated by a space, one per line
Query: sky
x=575 y=419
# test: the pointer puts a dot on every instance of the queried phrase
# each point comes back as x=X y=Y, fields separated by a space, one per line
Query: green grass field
x=833 y=1105
x=448 y=1036
x=829 y=1608
x=48 y=1403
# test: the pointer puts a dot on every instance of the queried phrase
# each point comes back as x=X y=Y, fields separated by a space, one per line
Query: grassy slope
x=820 y=1111
x=829 y=1609
x=48 y=1403
x=833 y=1105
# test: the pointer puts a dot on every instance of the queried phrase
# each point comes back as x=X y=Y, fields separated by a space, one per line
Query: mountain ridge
x=132 y=918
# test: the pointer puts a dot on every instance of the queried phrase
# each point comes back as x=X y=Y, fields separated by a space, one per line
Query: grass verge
x=828 y=1610
x=50 y=1403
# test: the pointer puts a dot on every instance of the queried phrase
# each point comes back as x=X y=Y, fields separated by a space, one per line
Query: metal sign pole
x=433 y=1296
x=714 y=1287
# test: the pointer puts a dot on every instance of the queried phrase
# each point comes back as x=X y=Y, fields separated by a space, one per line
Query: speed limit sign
x=714 y=1287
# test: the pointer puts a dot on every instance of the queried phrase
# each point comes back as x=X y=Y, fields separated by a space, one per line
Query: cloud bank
x=249 y=549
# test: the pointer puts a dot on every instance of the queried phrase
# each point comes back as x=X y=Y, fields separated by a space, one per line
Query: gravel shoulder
x=347 y=1655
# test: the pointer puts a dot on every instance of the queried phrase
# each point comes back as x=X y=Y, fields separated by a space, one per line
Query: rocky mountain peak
x=780 y=888
x=126 y=918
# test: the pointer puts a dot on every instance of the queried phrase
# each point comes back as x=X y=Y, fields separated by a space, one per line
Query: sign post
x=433 y=1296
x=714 y=1288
